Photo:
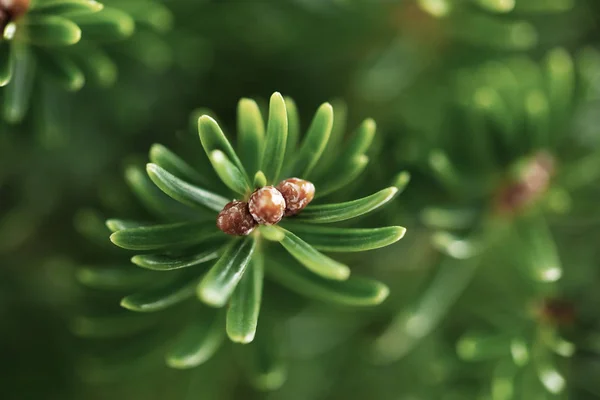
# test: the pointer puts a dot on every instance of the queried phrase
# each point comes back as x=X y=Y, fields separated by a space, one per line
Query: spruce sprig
x=62 y=41
x=185 y=239
x=520 y=189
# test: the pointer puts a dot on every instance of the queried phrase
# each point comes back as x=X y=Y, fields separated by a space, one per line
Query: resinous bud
x=235 y=219
x=297 y=194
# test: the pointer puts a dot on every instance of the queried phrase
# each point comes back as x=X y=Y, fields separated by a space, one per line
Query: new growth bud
x=297 y=194
x=235 y=219
x=267 y=205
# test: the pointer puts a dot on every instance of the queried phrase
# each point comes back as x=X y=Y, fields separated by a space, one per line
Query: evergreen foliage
x=184 y=238
x=115 y=288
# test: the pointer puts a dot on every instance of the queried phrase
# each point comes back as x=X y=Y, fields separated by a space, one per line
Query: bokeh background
x=491 y=105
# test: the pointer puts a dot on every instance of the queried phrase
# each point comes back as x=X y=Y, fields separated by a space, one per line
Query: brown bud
x=14 y=8
x=235 y=219
x=267 y=205
x=558 y=311
x=532 y=182
x=297 y=194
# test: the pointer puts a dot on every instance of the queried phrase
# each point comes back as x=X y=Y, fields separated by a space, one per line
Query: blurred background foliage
x=491 y=105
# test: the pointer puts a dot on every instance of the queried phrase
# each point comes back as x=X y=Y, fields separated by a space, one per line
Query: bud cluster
x=266 y=206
